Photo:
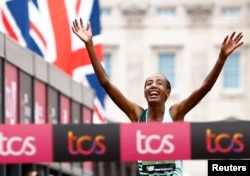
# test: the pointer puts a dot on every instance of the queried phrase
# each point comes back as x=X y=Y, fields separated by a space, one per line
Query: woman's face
x=155 y=89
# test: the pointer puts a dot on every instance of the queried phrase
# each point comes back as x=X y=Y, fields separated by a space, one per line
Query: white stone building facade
x=138 y=35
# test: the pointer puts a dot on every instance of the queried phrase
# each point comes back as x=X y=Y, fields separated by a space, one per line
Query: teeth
x=154 y=93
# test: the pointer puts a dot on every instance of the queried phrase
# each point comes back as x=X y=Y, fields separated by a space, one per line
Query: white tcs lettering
x=166 y=146
x=27 y=148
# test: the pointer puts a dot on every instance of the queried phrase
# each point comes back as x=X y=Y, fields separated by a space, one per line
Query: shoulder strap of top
x=167 y=116
x=143 y=116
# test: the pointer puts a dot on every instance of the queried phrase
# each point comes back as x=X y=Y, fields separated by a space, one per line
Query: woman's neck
x=155 y=114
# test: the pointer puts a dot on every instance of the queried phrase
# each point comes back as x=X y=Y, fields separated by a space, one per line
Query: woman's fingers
x=81 y=23
x=232 y=36
x=238 y=38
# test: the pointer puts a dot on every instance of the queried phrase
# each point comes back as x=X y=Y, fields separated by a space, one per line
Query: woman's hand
x=230 y=44
x=84 y=34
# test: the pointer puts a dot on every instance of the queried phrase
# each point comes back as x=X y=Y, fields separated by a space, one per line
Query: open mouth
x=153 y=93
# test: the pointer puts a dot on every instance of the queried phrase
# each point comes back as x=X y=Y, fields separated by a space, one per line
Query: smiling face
x=156 y=89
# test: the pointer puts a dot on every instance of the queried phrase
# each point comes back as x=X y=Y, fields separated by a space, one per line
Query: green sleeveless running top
x=159 y=168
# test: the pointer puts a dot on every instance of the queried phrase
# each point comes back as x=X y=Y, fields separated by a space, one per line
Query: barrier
x=124 y=142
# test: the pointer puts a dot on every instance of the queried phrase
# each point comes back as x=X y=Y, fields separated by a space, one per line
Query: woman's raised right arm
x=132 y=110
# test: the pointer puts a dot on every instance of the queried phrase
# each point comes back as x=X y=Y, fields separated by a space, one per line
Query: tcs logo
x=233 y=141
x=144 y=143
x=17 y=146
x=76 y=144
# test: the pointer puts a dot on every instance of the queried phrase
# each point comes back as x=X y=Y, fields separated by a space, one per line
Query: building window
x=107 y=63
x=106 y=12
x=166 y=66
x=166 y=12
x=231 y=72
x=230 y=11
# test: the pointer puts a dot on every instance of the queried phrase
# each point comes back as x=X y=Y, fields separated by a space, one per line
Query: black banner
x=86 y=142
x=52 y=105
x=25 y=98
x=217 y=140
x=1 y=91
x=76 y=112
x=228 y=167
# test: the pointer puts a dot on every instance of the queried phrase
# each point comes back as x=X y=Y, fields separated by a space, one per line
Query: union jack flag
x=44 y=26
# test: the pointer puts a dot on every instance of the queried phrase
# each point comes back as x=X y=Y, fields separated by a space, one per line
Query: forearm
x=214 y=73
x=97 y=66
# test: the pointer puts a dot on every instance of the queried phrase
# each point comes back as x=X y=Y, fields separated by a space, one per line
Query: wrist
x=222 y=56
x=89 y=43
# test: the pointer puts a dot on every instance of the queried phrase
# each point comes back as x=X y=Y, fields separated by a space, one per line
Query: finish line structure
x=126 y=142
